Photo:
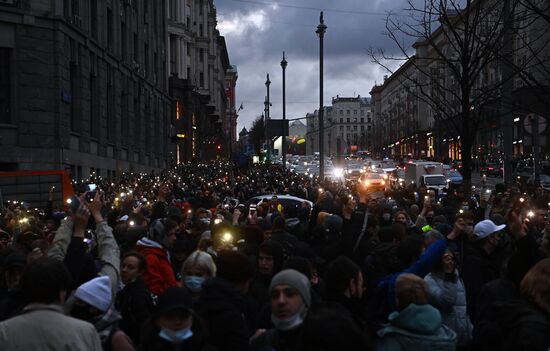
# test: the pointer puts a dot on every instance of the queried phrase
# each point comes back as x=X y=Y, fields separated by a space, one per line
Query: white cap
x=485 y=228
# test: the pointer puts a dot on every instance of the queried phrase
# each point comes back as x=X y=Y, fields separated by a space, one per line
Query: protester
x=159 y=274
x=134 y=301
x=415 y=325
x=174 y=325
x=43 y=325
x=197 y=268
x=92 y=302
x=290 y=302
x=448 y=295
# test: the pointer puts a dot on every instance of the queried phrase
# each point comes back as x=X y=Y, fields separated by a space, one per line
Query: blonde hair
x=410 y=288
x=534 y=286
x=201 y=260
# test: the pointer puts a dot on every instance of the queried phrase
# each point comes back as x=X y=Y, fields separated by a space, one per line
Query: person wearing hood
x=134 y=301
x=290 y=303
x=159 y=275
x=174 y=325
x=270 y=262
x=415 y=325
x=92 y=302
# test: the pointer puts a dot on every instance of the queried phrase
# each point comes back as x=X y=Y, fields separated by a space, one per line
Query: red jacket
x=159 y=275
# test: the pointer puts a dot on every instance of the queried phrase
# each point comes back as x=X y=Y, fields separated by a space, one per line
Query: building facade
x=417 y=110
x=198 y=69
x=83 y=86
x=348 y=127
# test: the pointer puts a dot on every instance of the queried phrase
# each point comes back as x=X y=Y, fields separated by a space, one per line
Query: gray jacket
x=108 y=250
x=45 y=327
x=448 y=295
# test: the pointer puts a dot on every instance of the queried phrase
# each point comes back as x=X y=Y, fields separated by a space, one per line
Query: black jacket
x=523 y=327
x=135 y=304
x=223 y=309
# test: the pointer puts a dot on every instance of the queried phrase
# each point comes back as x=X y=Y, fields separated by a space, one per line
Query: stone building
x=198 y=68
x=84 y=86
x=348 y=127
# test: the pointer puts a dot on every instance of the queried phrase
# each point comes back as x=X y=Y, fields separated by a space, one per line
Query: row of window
x=355 y=128
x=348 y=112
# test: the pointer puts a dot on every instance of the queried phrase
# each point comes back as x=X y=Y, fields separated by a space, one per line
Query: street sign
x=530 y=120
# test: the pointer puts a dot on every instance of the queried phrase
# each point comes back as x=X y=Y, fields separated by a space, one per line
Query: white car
x=285 y=200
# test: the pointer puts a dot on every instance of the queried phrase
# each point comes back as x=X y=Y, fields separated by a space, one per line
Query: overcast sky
x=258 y=31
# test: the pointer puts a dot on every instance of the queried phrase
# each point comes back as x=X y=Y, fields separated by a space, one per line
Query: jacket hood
x=419 y=324
x=148 y=243
x=418 y=319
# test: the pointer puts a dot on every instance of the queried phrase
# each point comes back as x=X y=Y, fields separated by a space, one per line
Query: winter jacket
x=523 y=327
x=417 y=327
x=108 y=250
x=421 y=268
x=480 y=268
x=159 y=275
x=448 y=295
x=135 y=304
x=223 y=308
x=277 y=340
x=45 y=327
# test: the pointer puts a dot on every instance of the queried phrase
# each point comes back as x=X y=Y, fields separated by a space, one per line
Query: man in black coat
x=223 y=305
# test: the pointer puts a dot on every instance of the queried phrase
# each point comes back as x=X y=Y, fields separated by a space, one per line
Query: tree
x=457 y=56
x=256 y=134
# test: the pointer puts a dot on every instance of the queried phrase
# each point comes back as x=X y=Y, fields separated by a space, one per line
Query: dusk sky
x=257 y=33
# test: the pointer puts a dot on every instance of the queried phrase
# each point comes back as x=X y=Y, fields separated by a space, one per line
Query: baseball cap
x=485 y=228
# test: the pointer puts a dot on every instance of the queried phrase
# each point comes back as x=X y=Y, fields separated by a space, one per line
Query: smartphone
x=90 y=192
x=74 y=204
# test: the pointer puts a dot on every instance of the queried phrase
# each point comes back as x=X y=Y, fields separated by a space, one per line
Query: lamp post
x=267 y=117
x=283 y=146
x=321 y=28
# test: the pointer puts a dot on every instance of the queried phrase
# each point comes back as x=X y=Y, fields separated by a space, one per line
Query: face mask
x=205 y=221
x=194 y=283
x=290 y=323
x=82 y=312
x=386 y=217
x=176 y=337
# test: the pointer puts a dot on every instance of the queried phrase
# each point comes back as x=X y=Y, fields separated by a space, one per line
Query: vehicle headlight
x=367 y=183
x=338 y=172
x=383 y=182
x=385 y=176
x=362 y=171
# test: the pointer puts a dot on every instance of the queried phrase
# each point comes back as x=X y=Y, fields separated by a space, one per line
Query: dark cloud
x=257 y=32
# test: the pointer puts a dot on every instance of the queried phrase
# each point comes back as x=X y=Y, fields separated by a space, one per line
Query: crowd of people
x=183 y=260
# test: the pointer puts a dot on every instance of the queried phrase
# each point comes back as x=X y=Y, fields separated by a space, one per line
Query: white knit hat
x=96 y=293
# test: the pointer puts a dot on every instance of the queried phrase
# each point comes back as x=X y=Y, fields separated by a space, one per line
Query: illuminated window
x=178 y=109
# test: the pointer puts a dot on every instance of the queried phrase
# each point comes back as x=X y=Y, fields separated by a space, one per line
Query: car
x=373 y=181
x=492 y=169
x=287 y=201
x=453 y=176
x=354 y=171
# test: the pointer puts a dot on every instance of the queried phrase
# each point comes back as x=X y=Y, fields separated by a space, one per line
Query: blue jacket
x=421 y=268
x=417 y=327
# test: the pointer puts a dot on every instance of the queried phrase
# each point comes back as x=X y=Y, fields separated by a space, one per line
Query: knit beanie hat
x=294 y=279
x=96 y=293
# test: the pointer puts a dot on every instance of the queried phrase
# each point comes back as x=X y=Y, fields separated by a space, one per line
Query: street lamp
x=267 y=117
x=321 y=28
x=283 y=146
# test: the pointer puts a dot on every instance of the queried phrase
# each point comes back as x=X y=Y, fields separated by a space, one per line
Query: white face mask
x=290 y=323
